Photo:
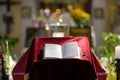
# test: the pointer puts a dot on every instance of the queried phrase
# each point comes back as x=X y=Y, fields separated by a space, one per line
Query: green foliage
x=111 y=40
x=11 y=42
x=7 y=43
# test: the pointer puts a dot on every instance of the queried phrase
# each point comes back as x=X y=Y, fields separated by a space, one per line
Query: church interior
x=28 y=27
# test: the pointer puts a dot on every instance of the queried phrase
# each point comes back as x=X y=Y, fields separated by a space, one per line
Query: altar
x=32 y=65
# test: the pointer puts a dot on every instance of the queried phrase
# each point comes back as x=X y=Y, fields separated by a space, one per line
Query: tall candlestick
x=117 y=52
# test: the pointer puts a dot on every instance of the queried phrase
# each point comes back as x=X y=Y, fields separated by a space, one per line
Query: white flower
x=47 y=12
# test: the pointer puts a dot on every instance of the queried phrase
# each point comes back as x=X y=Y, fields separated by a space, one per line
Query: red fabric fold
x=99 y=68
x=20 y=68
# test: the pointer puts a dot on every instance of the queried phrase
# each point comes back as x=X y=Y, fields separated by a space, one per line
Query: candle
x=117 y=52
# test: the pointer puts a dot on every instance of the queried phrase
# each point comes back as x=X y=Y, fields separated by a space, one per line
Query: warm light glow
x=58 y=23
x=60 y=19
x=70 y=7
x=57 y=11
x=47 y=27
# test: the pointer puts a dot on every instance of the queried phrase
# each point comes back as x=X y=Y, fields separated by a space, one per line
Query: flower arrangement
x=80 y=17
x=41 y=18
x=7 y=44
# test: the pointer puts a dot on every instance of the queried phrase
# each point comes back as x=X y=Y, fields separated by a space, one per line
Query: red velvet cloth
x=32 y=55
x=63 y=69
x=20 y=68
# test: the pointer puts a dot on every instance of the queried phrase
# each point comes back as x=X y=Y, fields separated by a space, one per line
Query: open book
x=69 y=50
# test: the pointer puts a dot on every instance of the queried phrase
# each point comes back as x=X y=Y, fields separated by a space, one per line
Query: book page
x=52 y=51
x=79 y=54
x=71 y=50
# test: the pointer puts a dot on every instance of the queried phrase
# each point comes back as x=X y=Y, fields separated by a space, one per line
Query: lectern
x=31 y=60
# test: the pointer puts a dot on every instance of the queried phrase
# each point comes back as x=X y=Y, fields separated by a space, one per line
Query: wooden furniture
x=76 y=31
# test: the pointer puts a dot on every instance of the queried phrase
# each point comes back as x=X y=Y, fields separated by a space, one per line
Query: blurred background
x=17 y=17
x=22 y=20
